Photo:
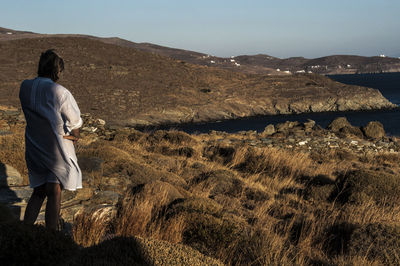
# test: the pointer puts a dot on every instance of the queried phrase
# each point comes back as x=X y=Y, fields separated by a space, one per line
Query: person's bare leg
x=34 y=204
x=53 y=206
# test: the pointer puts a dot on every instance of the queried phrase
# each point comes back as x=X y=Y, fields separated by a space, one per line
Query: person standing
x=52 y=129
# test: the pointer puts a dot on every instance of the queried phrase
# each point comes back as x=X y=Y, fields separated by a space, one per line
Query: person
x=52 y=129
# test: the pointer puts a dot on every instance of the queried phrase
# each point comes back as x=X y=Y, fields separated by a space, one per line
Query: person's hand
x=73 y=138
x=75 y=135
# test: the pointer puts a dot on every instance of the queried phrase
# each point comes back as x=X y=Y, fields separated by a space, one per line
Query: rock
x=16 y=198
x=338 y=124
x=309 y=124
x=100 y=122
x=269 y=130
x=105 y=197
x=79 y=195
x=89 y=129
x=9 y=176
x=374 y=130
x=284 y=127
x=15 y=194
x=351 y=131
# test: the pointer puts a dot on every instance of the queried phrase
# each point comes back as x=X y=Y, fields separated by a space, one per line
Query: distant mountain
x=260 y=64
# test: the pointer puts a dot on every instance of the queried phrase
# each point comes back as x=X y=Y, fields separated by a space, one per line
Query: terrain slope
x=127 y=86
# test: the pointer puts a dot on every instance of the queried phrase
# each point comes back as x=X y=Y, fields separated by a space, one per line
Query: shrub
x=358 y=186
x=335 y=238
x=219 y=154
x=377 y=241
x=219 y=182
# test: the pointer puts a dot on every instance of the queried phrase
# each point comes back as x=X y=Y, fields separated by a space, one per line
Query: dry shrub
x=172 y=137
x=90 y=228
x=359 y=186
x=333 y=157
x=369 y=212
x=168 y=151
x=121 y=161
x=106 y=151
x=140 y=212
x=12 y=152
x=219 y=153
x=272 y=162
x=206 y=227
x=218 y=182
x=377 y=241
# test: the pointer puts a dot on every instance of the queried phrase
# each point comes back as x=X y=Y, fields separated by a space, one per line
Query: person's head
x=50 y=65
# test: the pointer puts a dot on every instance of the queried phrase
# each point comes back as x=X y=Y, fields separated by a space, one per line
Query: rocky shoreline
x=242 y=108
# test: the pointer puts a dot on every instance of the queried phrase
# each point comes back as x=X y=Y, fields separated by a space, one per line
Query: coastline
x=277 y=118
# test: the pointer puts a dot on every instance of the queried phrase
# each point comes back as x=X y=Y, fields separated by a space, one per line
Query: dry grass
x=91 y=228
x=12 y=151
x=240 y=204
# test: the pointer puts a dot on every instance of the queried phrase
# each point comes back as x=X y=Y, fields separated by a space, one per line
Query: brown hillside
x=128 y=86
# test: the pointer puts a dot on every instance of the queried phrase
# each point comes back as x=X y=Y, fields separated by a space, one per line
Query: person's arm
x=71 y=115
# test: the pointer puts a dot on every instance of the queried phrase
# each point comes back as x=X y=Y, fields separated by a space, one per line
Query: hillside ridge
x=130 y=87
x=260 y=63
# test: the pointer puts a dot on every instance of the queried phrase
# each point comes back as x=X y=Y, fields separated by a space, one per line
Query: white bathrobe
x=51 y=112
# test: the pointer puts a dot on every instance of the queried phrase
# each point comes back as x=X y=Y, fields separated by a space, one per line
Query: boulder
x=284 y=127
x=269 y=130
x=309 y=124
x=339 y=123
x=374 y=130
x=9 y=176
x=349 y=131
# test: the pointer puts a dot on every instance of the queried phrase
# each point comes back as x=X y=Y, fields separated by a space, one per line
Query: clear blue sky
x=309 y=28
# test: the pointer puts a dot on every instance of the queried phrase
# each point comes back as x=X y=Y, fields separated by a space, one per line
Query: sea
x=387 y=83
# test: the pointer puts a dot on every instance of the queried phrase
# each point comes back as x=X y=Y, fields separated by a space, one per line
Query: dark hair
x=50 y=65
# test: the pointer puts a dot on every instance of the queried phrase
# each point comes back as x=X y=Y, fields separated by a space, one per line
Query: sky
x=286 y=28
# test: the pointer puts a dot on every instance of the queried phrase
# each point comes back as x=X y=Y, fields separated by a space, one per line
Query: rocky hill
x=261 y=63
x=127 y=86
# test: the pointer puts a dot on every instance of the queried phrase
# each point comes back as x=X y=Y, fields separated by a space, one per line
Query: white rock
x=101 y=122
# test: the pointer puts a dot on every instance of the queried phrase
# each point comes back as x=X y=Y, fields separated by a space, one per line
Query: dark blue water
x=387 y=83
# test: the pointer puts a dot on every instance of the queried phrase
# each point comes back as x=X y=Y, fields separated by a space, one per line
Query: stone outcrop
x=374 y=130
